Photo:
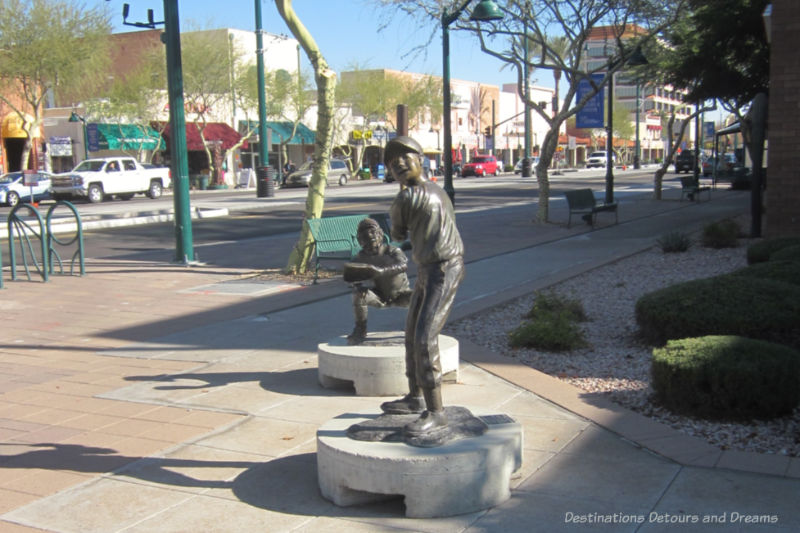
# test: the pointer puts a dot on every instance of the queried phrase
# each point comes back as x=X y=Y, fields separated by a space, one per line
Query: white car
x=13 y=188
x=598 y=159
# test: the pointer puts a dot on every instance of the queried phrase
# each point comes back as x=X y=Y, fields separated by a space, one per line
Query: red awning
x=213 y=131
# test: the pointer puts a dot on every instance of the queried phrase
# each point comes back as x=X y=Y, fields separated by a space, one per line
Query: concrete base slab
x=458 y=477
x=377 y=367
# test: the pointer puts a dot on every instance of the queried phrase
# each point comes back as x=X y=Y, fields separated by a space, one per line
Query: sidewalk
x=148 y=396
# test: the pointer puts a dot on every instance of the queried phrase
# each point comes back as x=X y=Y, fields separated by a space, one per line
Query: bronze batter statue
x=382 y=264
x=423 y=212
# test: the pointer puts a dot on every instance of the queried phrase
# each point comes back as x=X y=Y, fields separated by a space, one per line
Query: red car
x=481 y=165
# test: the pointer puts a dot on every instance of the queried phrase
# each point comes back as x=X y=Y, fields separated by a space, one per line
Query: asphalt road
x=251 y=217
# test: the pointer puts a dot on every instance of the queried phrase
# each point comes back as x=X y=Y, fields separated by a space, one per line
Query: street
x=249 y=217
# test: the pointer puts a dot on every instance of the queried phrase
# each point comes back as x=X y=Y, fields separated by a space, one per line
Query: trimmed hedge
x=784 y=271
x=722 y=305
x=760 y=252
x=790 y=253
x=726 y=377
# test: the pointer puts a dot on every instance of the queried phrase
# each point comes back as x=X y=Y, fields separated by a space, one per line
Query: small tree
x=534 y=25
x=48 y=47
x=325 y=79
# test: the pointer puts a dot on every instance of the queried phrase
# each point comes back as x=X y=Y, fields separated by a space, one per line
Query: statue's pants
x=364 y=298
x=430 y=305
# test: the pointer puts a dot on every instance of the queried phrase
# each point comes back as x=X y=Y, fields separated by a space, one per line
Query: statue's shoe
x=428 y=423
x=407 y=405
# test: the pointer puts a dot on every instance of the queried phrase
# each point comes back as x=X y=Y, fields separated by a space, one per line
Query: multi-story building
x=476 y=109
x=648 y=104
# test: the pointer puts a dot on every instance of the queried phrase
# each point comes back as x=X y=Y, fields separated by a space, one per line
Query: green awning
x=125 y=137
x=282 y=131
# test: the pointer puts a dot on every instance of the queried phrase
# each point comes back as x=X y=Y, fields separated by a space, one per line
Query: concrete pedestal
x=459 y=477
x=377 y=367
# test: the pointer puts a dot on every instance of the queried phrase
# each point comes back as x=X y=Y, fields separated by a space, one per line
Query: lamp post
x=486 y=10
x=262 y=98
x=179 y=166
x=74 y=117
x=637 y=163
x=636 y=59
x=526 y=153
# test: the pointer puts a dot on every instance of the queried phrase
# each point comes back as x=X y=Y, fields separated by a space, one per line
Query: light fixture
x=486 y=10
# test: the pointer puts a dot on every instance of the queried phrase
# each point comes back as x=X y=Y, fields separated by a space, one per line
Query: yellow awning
x=12 y=127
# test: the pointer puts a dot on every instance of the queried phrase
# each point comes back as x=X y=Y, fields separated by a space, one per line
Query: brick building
x=783 y=195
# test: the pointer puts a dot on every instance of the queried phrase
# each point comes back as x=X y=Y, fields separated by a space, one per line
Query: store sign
x=60 y=146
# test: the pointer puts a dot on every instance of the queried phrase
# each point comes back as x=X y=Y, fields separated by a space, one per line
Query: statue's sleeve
x=399 y=228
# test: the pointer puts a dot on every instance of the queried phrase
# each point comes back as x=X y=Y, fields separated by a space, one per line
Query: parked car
x=96 y=179
x=338 y=172
x=707 y=165
x=684 y=161
x=518 y=166
x=598 y=159
x=481 y=165
x=13 y=188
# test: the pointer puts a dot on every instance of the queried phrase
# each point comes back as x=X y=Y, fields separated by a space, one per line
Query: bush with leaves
x=546 y=303
x=761 y=251
x=551 y=332
x=674 y=242
x=726 y=377
x=722 y=305
x=722 y=234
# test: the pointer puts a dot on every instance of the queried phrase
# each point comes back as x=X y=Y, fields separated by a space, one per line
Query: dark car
x=684 y=161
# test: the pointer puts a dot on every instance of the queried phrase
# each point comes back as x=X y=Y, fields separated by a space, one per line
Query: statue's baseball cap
x=400 y=145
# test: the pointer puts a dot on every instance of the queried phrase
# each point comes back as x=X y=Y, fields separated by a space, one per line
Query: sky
x=345 y=30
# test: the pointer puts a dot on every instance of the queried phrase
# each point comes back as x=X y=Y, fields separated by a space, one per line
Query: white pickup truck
x=95 y=179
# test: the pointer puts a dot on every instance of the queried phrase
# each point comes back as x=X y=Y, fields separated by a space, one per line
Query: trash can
x=202 y=182
x=265 y=183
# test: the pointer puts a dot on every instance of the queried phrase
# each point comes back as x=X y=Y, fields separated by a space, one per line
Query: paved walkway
x=148 y=396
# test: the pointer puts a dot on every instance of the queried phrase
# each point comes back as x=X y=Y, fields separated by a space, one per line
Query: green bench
x=336 y=238
x=583 y=202
x=690 y=187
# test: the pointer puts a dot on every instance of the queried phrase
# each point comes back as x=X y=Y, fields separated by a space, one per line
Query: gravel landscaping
x=617 y=364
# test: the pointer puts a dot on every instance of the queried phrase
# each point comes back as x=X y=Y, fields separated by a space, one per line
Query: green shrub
x=762 y=251
x=785 y=271
x=726 y=377
x=722 y=305
x=790 y=253
x=722 y=234
x=674 y=241
x=546 y=303
x=552 y=332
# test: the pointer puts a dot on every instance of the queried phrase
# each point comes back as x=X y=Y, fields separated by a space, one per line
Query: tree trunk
x=326 y=88
x=548 y=148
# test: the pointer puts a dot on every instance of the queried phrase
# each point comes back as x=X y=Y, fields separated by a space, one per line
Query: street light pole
x=610 y=141
x=485 y=10
x=179 y=165
x=636 y=59
x=526 y=153
x=637 y=162
x=262 y=97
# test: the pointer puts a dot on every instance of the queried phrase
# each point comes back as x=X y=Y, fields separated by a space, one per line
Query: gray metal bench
x=691 y=187
x=582 y=202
